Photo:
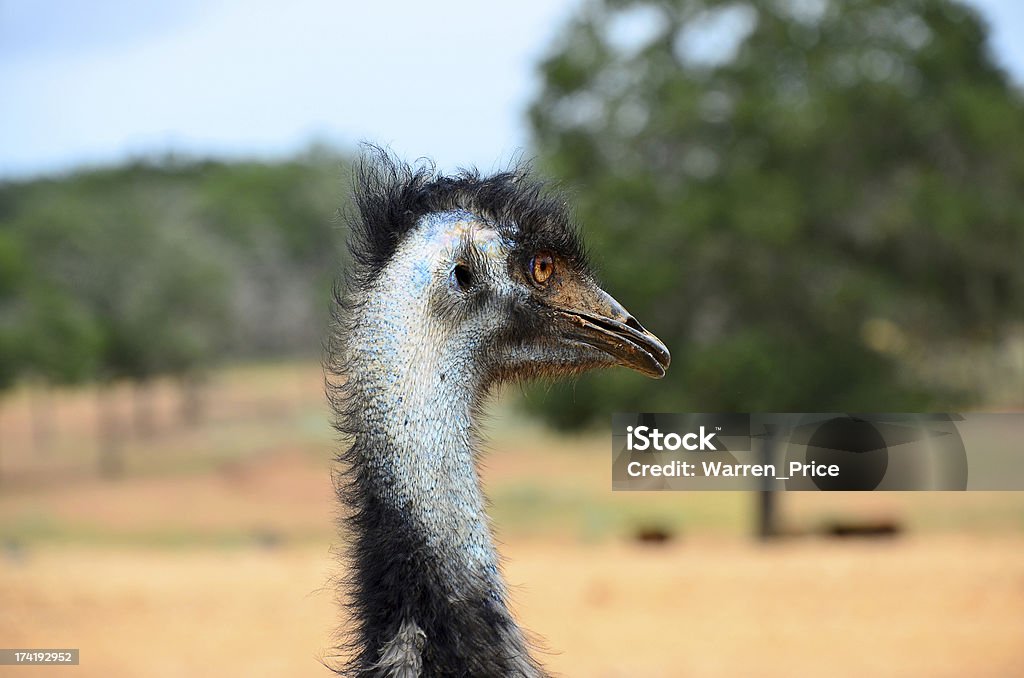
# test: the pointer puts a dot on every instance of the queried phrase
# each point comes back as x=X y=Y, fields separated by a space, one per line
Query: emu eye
x=542 y=266
x=463 y=276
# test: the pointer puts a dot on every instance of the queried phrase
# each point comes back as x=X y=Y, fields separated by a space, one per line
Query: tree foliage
x=799 y=196
x=12 y=284
x=166 y=266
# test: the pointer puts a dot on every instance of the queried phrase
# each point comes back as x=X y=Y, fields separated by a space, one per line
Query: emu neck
x=418 y=443
x=428 y=594
x=420 y=393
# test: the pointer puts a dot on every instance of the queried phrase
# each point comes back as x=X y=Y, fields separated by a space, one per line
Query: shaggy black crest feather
x=391 y=198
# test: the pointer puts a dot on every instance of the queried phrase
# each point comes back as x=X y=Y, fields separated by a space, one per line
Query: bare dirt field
x=212 y=556
x=937 y=607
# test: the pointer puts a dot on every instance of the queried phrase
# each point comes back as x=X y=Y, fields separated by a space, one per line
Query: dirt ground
x=212 y=556
x=936 y=607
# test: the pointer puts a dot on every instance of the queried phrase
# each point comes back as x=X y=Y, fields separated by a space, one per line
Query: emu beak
x=596 y=319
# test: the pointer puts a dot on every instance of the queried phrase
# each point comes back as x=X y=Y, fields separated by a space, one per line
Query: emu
x=456 y=284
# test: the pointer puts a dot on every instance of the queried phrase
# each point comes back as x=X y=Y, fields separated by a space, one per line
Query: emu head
x=482 y=279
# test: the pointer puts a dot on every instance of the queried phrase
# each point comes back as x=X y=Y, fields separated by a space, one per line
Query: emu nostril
x=631 y=322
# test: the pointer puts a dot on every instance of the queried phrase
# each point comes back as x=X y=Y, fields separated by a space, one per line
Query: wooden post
x=766 y=525
x=108 y=434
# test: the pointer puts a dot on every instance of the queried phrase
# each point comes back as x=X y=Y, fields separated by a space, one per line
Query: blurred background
x=817 y=205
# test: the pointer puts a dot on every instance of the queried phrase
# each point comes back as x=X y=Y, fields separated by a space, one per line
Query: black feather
x=391 y=197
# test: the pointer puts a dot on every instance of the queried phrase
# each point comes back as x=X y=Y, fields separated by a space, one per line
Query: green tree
x=801 y=197
x=13 y=275
x=12 y=280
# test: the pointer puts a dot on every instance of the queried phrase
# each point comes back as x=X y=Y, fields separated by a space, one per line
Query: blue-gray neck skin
x=428 y=595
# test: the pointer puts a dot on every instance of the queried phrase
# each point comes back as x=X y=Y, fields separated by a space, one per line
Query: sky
x=87 y=83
